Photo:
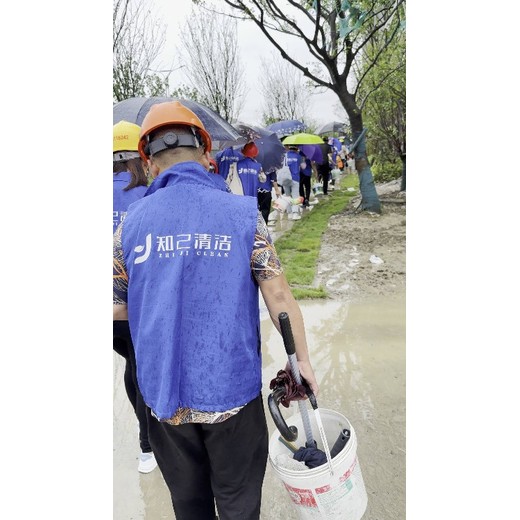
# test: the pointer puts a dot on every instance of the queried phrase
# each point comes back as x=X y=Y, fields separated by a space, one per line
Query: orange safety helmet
x=170 y=113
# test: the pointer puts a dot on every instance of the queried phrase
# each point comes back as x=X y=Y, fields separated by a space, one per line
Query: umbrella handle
x=273 y=403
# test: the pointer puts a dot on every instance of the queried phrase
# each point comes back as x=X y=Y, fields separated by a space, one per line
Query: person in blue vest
x=265 y=193
x=292 y=187
x=225 y=158
x=130 y=184
x=130 y=180
x=189 y=260
x=305 y=178
x=250 y=170
x=324 y=167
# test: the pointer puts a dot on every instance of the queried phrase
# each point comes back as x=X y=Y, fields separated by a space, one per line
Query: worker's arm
x=278 y=298
x=277 y=189
x=120 y=279
x=120 y=312
x=268 y=272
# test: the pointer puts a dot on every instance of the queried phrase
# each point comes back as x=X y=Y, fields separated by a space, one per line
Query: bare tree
x=334 y=33
x=286 y=95
x=138 y=39
x=212 y=63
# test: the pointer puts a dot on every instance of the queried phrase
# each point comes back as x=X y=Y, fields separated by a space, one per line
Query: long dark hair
x=135 y=167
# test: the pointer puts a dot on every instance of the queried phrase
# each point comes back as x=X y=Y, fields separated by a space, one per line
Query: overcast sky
x=253 y=45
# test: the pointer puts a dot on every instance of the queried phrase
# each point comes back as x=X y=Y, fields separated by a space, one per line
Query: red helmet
x=250 y=150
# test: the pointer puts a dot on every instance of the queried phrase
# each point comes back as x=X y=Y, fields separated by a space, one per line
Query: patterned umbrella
x=287 y=127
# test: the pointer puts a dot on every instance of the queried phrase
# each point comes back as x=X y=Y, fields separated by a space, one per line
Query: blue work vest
x=224 y=159
x=267 y=185
x=248 y=170
x=293 y=161
x=192 y=300
x=123 y=199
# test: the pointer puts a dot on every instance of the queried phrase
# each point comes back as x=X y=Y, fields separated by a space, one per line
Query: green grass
x=299 y=247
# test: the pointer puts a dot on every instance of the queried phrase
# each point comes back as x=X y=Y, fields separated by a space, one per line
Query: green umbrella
x=303 y=139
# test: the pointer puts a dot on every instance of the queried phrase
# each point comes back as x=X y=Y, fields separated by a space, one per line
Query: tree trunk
x=403 y=178
x=369 y=198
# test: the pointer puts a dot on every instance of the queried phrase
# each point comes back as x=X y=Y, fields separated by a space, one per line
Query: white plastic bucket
x=315 y=493
x=282 y=203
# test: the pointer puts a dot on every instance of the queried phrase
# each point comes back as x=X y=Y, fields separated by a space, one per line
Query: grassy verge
x=299 y=247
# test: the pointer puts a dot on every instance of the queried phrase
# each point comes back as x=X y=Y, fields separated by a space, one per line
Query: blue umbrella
x=287 y=127
x=135 y=109
x=335 y=143
x=270 y=148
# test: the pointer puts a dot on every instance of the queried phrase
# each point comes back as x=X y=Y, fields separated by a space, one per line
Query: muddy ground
x=363 y=254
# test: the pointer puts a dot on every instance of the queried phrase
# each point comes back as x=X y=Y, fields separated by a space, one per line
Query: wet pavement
x=358 y=353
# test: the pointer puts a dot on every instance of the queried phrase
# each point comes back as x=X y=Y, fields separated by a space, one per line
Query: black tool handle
x=289 y=433
x=340 y=443
x=288 y=341
x=287 y=335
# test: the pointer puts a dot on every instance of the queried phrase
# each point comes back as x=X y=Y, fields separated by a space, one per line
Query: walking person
x=187 y=279
x=292 y=186
x=130 y=184
x=250 y=170
x=305 y=179
x=265 y=194
x=224 y=159
x=323 y=168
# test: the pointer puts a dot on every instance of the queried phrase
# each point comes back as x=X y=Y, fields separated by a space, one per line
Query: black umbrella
x=135 y=109
x=331 y=127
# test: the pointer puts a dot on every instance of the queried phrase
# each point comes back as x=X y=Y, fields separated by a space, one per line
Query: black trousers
x=305 y=187
x=325 y=176
x=207 y=463
x=264 y=199
x=122 y=344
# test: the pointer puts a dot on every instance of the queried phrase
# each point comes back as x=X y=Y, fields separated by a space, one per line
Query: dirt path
x=363 y=254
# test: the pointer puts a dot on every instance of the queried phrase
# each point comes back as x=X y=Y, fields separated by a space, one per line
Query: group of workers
x=189 y=260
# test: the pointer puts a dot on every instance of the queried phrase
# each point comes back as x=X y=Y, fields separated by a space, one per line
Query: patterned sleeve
x=265 y=263
x=120 y=277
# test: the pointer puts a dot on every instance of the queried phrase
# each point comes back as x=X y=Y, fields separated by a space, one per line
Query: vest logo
x=199 y=244
x=185 y=244
x=248 y=171
x=147 y=250
x=118 y=217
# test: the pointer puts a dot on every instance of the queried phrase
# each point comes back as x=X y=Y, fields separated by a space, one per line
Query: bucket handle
x=273 y=402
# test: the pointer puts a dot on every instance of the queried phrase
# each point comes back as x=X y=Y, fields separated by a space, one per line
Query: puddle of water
x=358 y=353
